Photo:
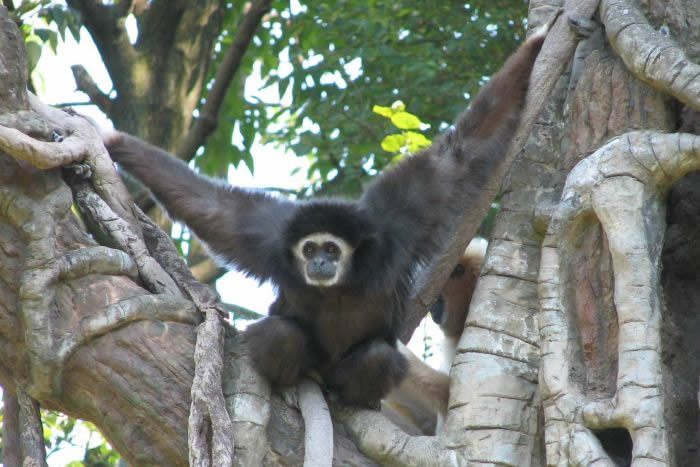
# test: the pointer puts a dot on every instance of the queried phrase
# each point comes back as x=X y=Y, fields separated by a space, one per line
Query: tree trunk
x=577 y=349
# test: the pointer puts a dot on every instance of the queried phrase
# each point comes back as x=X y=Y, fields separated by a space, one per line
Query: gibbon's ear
x=418 y=405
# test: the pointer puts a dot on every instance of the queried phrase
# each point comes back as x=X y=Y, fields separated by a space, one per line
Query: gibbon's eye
x=308 y=249
x=331 y=248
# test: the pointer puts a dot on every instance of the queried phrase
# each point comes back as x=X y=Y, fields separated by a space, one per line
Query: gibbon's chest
x=343 y=321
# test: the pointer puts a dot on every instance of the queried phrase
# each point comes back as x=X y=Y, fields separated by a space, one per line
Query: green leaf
x=247 y=158
x=405 y=121
x=383 y=111
x=59 y=17
x=393 y=143
x=33 y=53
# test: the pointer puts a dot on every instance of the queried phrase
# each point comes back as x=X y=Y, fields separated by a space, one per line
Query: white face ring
x=342 y=263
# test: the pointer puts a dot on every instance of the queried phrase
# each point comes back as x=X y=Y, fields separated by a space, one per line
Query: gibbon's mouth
x=322 y=282
x=321 y=277
x=320 y=270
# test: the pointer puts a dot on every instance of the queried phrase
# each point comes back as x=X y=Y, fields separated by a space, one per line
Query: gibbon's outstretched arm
x=243 y=226
x=418 y=195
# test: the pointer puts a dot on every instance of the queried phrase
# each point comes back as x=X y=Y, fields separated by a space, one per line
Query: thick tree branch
x=386 y=444
x=96 y=260
x=142 y=307
x=159 y=23
x=623 y=186
x=41 y=154
x=209 y=114
x=650 y=55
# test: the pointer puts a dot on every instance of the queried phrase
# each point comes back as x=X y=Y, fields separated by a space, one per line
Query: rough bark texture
x=580 y=346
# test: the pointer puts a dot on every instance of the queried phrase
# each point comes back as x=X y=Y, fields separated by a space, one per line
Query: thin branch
x=86 y=84
x=650 y=55
x=124 y=235
x=318 y=428
x=65 y=105
x=209 y=114
x=208 y=408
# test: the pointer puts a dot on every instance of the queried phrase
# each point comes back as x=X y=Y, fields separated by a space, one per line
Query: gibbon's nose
x=320 y=268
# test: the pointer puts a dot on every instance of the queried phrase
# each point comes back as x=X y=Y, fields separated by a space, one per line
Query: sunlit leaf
x=383 y=111
x=416 y=141
x=33 y=53
x=393 y=143
x=405 y=121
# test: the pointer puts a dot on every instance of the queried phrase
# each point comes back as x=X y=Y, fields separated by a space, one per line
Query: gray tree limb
x=318 y=428
x=650 y=55
x=623 y=185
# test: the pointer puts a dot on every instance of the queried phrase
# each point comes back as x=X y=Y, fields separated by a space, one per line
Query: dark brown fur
x=346 y=332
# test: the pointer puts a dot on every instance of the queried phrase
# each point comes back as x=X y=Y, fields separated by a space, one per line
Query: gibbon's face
x=323 y=259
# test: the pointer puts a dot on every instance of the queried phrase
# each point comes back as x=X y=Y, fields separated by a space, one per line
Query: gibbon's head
x=450 y=309
x=323 y=259
x=323 y=237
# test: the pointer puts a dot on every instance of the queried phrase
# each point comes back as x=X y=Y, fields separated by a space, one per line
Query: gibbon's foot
x=367 y=374
x=79 y=169
x=280 y=350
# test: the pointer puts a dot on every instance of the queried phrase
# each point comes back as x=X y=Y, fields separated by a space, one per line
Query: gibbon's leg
x=367 y=373
x=419 y=402
x=281 y=350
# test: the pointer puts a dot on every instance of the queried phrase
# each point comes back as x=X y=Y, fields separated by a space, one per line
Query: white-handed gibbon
x=343 y=269
x=419 y=403
x=452 y=305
